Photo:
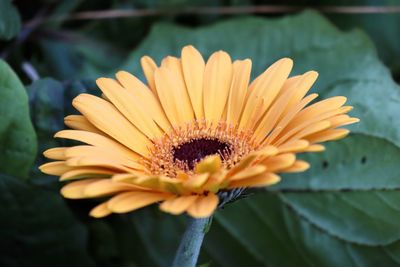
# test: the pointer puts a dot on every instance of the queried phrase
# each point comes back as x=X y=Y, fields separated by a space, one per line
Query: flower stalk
x=192 y=239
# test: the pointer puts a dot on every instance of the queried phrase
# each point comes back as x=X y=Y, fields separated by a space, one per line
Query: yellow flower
x=197 y=129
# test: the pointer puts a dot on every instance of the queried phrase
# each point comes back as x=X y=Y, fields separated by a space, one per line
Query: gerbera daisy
x=196 y=131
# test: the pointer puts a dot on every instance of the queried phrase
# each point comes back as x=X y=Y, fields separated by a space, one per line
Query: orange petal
x=178 y=205
x=280 y=162
x=129 y=106
x=79 y=122
x=96 y=140
x=294 y=146
x=238 y=90
x=55 y=153
x=106 y=187
x=149 y=67
x=193 y=69
x=100 y=211
x=258 y=181
x=172 y=92
x=315 y=148
x=75 y=190
x=204 y=206
x=263 y=90
x=298 y=166
x=216 y=85
x=55 y=168
x=328 y=135
x=130 y=201
x=80 y=173
x=107 y=118
x=249 y=172
x=143 y=94
x=209 y=164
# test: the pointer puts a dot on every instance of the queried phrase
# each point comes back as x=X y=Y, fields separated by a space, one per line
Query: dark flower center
x=193 y=151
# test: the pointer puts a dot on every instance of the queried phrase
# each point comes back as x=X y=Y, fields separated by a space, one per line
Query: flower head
x=196 y=130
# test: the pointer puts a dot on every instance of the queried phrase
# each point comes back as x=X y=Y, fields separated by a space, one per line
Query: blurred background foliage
x=345 y=211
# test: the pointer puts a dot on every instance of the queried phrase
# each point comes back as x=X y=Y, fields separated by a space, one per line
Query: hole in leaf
x=325 y=164
x=363 y=160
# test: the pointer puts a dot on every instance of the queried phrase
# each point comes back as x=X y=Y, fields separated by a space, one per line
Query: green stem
x=189 y=248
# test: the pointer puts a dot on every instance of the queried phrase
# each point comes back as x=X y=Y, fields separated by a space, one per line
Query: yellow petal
x=173 y=94
x=238 y=90
x=100 y=211
x=312 y=121
x=243 y=163
x=341 y=120
x=281 y=125
x=196 y=181
x=85 y=172
x=193 y=69
x=130 y=107
x=96 y=140
x=315 y=148
x=251 y=157
x=55 y=153
x=215 y=182
x=144 y=95
x=249 y=172
x=97 y=161
x=147 y=181
x=270 y=119
x=294 y=146
x=328 y=135
x=130 y=201
x=298 y=166
x=284 y=104
x=55 y=168
x=178 y=205
x=263 y=90
x=114 y=156
x=149 y=67
x=204 y=206
x=216 y=85
x=325 y=106
x=79 y=122
x=107 y=118
x=280 y=162
x=171 y=185
x=75 y=190
x=301 y=87
x=308 y=130
x=125 y=177
x=209 y=164
x=106 y=187
x=177 y=79
x=258 y=181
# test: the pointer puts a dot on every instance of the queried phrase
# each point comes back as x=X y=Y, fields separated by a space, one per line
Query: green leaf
x=383 y=28
x=344 y=211
x=38 y=229
x=79 y=57
x=279 y=236
x=10 y=20
x=349 y=164
x=17 y=137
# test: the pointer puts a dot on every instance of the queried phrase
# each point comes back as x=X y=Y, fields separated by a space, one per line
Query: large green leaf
x=344 y=211
x=10 y=21
x=383 y=28
x=279 y=236
x=78 y=57
x=17 y=138
x=38 y=229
